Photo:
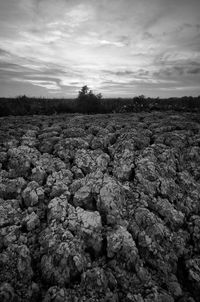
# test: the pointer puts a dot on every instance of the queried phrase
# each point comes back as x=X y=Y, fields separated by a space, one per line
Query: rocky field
x=100 y=208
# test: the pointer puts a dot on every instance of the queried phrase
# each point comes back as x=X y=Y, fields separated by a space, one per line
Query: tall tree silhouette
x=87 y=101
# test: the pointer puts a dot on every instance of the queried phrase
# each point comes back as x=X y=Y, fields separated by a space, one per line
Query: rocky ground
x=100 y=208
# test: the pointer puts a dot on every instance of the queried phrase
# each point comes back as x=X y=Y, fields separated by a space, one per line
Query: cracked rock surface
x=100 y=208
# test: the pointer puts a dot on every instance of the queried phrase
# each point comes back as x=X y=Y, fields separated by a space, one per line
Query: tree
x=87 y=101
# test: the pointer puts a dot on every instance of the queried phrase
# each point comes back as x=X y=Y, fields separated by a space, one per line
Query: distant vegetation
x=89 y=103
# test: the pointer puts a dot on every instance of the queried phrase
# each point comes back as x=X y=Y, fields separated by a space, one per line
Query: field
x=100 y=207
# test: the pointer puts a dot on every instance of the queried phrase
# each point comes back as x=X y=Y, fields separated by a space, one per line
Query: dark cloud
x=3 y=52
x=194 y=70
x=147 y=35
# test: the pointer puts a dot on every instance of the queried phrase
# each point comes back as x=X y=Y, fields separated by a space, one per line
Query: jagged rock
x=11 y=188
x=10 y=212
x=194 y=227
x=89 y=161
x=31 y=221
x=59 y=182
x=66 y=148
x=90 y=228
x=173 y=139
x=38 y=175
x=32 y=194
x=84 y=198
x=50 y=163
x=74 y=132
x=120 y=244
x=193 y=268
x=85 y=224
x=95 y=280
x=85 y=190
x=189 y=192
x=174 y=287
x=63 y=256
x=56 y=294
x=167 y=211
x=7 y=293
x=77 y=172
x=124 y=165
x=111 y=199
x=57 y=209
x=15 y=263
x=47 y=144
x=29 y=138
x=12 y=143
x=109 y=213
x=21 y=159
x=9 y=235
x=24 y=263
x=103 y=141
x=3 y=157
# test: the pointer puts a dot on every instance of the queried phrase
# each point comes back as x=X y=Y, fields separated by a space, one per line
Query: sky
x=120 y=48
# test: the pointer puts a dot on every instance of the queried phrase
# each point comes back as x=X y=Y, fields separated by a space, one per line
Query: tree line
x=88 y=102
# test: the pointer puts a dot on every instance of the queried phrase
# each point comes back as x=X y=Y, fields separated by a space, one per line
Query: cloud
x=194 y=70
x=133 y=46
x=50 y=85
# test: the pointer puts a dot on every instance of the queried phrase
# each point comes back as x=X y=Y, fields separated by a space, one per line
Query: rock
x=95 y=280
x=175 y=289
x=3 y=157
x=32 y=221
x=7 y=293
x=124 y=165
x=32 y=194
x=56 y=294
x=10 y=213
x=77 y=172
x=50 y=164
x=11 y=188
x=194 y=227
x=90 y=228
x=47 y=144
x=24 y=263
x=67 y=148
x=89 y=161
x=87 y=225
x=38 y=175
x=21 y=159
x=15 y=262
x=100 y=207
x=74 y=132
x=64 y=258
x=57 y=209
x=10 y=235
x=84 y=198
x=167 y=211
x=110 y=201
x=59 y=182
x=193 y=268
x=29 y=139
x=121 y=245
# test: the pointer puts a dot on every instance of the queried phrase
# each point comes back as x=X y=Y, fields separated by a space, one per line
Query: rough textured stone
x=111 y=200
x=120 y=244
x=100 y=207
x=32 y=194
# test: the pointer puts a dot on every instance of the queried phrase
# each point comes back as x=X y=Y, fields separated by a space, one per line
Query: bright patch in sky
x=120 y=48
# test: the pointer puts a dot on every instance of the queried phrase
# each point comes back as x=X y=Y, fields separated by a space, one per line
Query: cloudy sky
x=120 y=48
